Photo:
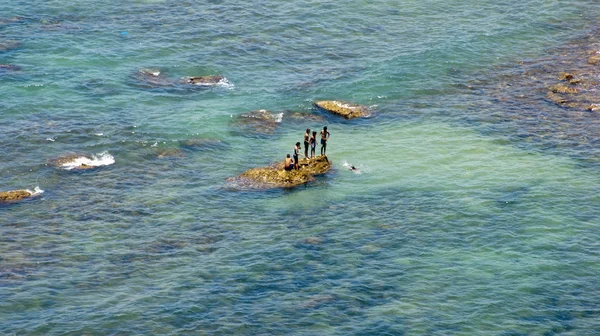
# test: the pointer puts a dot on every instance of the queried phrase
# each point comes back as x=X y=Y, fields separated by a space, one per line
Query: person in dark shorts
x=289 y=163
x=306 y=142
x=313 y=143
x=324 y=137
x=297 y=149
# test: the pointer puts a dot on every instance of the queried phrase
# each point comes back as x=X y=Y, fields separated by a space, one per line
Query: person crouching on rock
x=289 y=163
x=297 y=149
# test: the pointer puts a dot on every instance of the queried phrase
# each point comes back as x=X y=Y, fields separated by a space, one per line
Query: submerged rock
x=560 y=88
x=153 y=77
x=14 y=19
x=344 y=109
x=303 y=116
x=199 y=143
x=259 y=121
x=204 y=80
x=164 y=153
x=275 y=176
x=11 y=67
x=9 y=45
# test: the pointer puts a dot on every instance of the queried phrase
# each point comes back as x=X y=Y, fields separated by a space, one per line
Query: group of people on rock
x=309 y=141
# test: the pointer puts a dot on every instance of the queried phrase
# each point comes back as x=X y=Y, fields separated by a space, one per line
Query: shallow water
x=459 y=224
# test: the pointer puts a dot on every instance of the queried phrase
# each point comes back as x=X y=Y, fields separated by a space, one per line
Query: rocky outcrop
x=14 y=195
x=344 y=109
x=274 y=176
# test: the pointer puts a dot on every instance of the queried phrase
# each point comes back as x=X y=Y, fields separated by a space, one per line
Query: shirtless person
x=313 y=144
x=297 y=149
x=306 y=142
x=289 y=163
x=324 y=137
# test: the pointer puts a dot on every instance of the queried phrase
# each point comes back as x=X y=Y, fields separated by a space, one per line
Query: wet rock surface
x=14 y=196
x=344 y=109
x=275 y=176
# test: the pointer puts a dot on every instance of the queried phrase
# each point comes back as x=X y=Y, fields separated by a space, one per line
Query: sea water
x=459 y=223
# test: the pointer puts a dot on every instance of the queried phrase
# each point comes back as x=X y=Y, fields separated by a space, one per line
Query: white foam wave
x=36 y=191
x=100 y=159
x=278 y=117
x=225 y=83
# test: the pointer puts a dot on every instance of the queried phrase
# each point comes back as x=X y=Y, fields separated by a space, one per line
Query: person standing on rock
x=297 y=149
x=313 y=144
x=306 y=138
x=289 y=163
x=324 y=137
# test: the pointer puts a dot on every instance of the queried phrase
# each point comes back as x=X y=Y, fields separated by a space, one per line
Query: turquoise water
x=457 y=225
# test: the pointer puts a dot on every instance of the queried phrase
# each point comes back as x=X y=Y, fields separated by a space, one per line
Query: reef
x=275 y=176
x=344 y=109
x=14 y=195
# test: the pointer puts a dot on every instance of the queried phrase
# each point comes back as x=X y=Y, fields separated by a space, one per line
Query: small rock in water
x=344 y=109
x=204 y=80
x=14 y=195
